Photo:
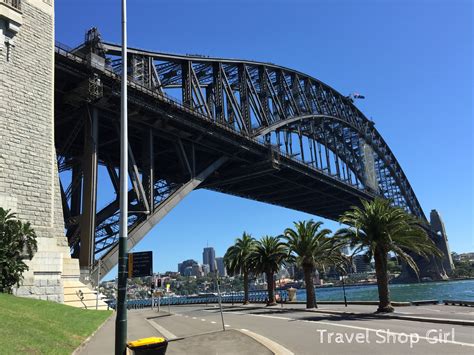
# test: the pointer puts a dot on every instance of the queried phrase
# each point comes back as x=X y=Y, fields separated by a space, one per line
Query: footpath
x=140 y=325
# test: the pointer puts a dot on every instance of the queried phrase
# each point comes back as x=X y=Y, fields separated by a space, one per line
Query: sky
x=413 y=61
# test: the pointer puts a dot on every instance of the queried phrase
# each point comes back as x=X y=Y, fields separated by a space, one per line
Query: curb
x=274 y=347
x=88 y=339
x=394 y=316
x=430 y=320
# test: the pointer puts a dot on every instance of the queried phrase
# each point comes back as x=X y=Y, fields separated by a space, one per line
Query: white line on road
x=213 y=322
x=194 y=318
x=362 y=328
x=202 y=319
x=226 y=325
x=429 y=309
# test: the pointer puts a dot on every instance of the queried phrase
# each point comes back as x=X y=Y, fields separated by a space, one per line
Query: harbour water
x=454 y=290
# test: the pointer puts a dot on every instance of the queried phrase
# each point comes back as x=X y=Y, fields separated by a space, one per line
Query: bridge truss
x=246 y=128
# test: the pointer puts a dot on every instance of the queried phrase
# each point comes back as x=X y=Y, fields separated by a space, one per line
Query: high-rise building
x=205 y=269
x=361 y=263
x=197 y=270
x=220 y=266
x=182 y=266
x=209 y=258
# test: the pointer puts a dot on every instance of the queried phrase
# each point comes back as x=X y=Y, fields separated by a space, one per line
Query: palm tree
x=312 y=248
x=17 y=244
x=236 y=260
x=269 y=254
x=378 y=228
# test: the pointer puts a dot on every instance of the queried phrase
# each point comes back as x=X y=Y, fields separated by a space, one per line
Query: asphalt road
x=316 y=333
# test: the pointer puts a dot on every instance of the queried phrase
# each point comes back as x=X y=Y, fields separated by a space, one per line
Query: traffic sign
x=140 y=264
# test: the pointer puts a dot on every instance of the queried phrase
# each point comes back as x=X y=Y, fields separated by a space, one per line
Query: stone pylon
x=29 y=182
x=441 y=240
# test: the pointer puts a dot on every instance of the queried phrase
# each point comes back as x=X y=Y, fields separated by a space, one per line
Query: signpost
x=220 y=301
x=140 y=264
x=169 y=300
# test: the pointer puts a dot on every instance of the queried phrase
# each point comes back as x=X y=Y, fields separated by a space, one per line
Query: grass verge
x=30 y=326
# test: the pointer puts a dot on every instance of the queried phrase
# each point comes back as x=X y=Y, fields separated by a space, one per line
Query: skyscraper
x=209 y=258
x=220 y=266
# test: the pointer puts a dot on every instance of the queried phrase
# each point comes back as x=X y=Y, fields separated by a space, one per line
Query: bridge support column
x=89 y=197
x=76 y=194
x=109 y=260
x=148 y=168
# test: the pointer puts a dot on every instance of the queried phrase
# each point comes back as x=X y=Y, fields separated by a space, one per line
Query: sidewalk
x=229 y=342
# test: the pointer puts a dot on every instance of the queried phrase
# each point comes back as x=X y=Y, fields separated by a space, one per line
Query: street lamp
x=342 y=277
x=121 y=320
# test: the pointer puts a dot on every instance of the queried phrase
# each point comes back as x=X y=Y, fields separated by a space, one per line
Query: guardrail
x=13 y=3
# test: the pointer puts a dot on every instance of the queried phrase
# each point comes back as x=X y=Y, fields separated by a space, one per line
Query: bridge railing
x=13 y=3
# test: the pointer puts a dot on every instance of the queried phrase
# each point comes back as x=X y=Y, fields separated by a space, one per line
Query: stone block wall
x=29 y=182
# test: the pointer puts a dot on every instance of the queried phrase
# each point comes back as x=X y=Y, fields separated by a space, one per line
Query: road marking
x=363 y=328
x=194 y=318
x=164 y=332
x=429 y=309
x=202 y=319
x=213 y=322
x=226 y=325
x=269 y=344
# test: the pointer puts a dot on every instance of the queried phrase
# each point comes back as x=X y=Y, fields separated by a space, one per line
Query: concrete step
x=72 y=298
x=90 y=304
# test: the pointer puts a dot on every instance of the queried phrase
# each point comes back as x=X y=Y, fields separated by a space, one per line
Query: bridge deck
x=187 y=141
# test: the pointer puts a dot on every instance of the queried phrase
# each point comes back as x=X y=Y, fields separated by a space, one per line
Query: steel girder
x=299 y=121
x=265 y=101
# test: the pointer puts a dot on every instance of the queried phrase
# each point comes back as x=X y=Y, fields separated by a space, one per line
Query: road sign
x=140 y=264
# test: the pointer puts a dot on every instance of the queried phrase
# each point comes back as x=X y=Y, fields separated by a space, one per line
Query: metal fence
x=13 y=3
x=237 y=297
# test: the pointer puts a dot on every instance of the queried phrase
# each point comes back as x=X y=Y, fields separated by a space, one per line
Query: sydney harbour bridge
x=251 y=129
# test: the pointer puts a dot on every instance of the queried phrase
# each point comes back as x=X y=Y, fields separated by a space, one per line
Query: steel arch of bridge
x=263 y=99
x=290 y=118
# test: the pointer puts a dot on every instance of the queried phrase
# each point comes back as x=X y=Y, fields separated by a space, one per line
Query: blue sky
x=411 y=59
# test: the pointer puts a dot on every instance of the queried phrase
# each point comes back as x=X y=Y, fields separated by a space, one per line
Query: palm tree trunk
x=246 y=287
x=310 y=293
x=380 y=257
x=271 y=289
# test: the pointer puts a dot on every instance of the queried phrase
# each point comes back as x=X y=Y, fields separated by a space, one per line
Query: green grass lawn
x=40 y=327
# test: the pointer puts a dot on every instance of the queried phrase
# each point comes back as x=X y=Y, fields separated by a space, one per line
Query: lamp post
x=344 y=289
x=121 y=320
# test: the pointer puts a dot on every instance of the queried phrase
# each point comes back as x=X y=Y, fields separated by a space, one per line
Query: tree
x=378 y=228
x=17 y=243
x=269 y=254
x=237 y=260
x=312 y=248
